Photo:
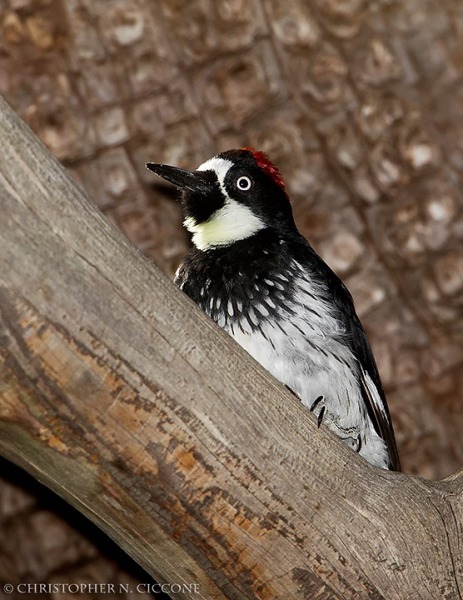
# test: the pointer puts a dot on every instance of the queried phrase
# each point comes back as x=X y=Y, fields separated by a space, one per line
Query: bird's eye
x=244 y=184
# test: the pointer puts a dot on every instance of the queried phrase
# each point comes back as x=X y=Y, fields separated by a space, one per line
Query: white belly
x=315 y=367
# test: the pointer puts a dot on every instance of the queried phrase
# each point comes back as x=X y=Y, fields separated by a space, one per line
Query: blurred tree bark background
x=359 y=103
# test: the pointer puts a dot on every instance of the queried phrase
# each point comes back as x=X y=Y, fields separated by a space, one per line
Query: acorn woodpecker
x=260 y=280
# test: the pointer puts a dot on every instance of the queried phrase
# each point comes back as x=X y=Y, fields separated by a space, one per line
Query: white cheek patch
x=232 y=222
x=229 y=224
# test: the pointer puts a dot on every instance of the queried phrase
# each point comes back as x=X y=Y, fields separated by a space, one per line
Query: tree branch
x=120 y=395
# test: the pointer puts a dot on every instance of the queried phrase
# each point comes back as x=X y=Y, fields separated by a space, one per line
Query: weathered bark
x=120 y=395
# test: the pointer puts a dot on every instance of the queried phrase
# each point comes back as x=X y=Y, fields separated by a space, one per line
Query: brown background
x=361 y=106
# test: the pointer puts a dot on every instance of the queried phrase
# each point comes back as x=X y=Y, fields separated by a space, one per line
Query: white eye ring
x=244 y=184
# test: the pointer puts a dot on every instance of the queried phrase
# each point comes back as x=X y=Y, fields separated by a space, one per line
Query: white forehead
x=220 y=166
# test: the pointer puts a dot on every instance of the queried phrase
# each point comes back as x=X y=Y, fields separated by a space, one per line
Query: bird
x=259 y=278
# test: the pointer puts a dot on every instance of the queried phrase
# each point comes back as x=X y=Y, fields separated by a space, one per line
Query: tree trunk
x=120 y=395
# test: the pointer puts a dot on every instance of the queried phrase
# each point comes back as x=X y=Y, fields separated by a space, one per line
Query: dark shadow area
x=41 y=499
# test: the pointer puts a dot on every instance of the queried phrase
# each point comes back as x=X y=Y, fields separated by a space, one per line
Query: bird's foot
x=322 y=410
x=292 y=391
x=354 y=441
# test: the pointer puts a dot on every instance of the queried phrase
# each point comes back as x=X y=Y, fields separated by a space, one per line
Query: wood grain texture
x=120 y=395
x=358 y=103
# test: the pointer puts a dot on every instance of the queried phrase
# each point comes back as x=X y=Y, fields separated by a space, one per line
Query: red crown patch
x=264 y=163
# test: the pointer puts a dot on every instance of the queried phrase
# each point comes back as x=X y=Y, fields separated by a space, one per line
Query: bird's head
x=230 y=197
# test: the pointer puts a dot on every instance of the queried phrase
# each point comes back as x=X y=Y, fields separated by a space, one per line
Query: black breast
x=242 y=284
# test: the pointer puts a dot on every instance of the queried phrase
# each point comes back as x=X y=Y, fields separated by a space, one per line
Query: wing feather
x=373 y=395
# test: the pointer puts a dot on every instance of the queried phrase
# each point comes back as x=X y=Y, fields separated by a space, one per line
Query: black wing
x=339 y=295
x=376 y=405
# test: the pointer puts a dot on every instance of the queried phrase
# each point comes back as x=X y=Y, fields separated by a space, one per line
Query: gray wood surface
x=120 y=395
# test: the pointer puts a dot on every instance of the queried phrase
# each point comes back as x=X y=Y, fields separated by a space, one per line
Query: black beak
x=196 y=181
